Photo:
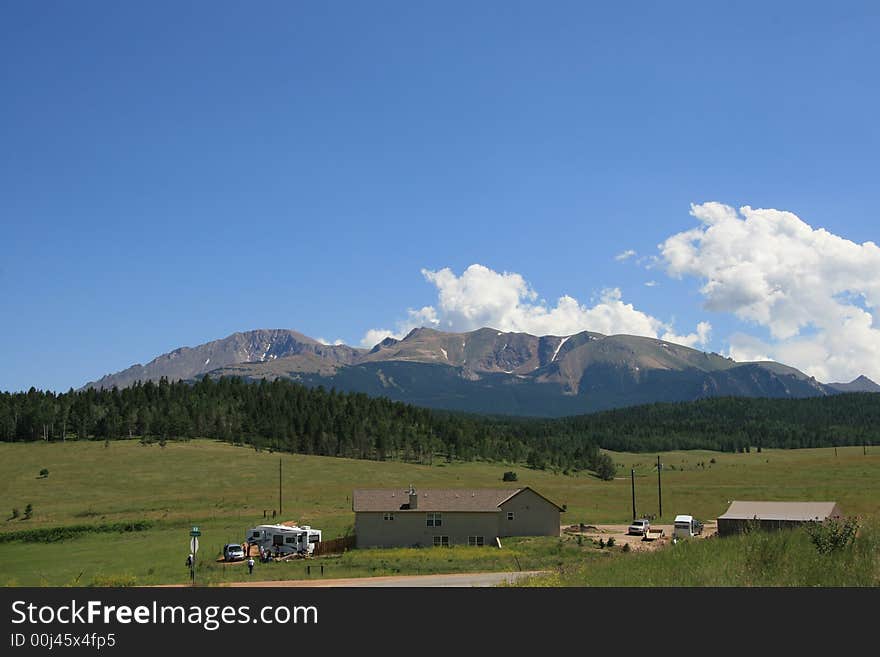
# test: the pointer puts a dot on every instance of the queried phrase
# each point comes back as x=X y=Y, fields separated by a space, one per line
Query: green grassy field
x=786 y=558
x=224 y=490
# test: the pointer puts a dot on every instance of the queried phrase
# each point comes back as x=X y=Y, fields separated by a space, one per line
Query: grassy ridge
x=66 y=532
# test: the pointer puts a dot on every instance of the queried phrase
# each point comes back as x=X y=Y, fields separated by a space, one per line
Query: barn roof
x=802 y=511
x=435 y=499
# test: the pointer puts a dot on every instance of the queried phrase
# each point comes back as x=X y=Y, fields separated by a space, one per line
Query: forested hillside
x=286 y=416
x=734 y=424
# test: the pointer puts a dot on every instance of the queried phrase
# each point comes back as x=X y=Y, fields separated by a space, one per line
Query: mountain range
x=490 y=371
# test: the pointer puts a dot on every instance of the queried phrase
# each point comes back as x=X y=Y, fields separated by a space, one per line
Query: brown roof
x=780 y=511
x=433 y=499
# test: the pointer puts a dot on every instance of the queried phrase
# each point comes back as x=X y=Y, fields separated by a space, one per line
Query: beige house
x=773 y=515
x=390 y=517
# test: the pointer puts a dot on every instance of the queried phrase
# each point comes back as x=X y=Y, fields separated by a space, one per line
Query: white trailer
x=687 y=526
x=284 y=539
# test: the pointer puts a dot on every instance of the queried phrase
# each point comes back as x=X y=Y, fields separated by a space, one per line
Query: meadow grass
x=784 y=558
x=225 y=489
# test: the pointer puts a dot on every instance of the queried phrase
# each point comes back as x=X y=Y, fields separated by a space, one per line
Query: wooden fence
x=334 y=546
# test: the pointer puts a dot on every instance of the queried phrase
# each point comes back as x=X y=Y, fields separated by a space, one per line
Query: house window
x=441 y=541
x=434 y=520
x=475 y=540
x=510 y=515
x=389 y=516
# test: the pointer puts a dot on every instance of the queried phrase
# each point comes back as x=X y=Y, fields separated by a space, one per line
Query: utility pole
x=659 y=489
x=279 y=487
x=632 y=474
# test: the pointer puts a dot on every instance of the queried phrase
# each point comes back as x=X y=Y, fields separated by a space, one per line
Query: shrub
x=14 y=513
x=833 y=535
x=509 y=476
x=44 y=473
x=601 y=542
x=626 y=547
x=610 y=541
x=28 y=511
x=605 y=467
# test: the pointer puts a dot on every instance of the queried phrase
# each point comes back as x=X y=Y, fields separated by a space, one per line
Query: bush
x=14 y=513
x=833 y=535
x=44 y=473
x=509 y=476
x=28 y=511
x=610 y=541
x=626 y=547
x=605 y=469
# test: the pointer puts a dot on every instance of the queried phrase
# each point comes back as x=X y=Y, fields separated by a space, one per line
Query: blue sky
x=173 y=172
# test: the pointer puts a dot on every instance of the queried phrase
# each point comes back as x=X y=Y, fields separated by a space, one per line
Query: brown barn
x=402 y=517
x=774 y=515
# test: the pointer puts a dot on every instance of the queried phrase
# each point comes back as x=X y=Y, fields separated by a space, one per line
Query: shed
x=774 y=515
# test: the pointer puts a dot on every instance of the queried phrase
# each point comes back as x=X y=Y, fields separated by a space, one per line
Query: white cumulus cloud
x=337 y=342
x=815 y=292
x=481 y=297
x=426 y=316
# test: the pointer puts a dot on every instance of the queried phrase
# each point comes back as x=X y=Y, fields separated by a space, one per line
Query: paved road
x=456 y=580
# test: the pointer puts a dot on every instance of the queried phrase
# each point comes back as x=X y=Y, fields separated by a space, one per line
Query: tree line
x=286 y=416
x=280 y=415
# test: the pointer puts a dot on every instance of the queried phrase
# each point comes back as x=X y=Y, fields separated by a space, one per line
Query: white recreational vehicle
x=687 y=526
x=283 y=539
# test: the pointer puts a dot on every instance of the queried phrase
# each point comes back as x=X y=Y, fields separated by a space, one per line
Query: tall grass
x=56 y=534
x=785 y=558
x=526 y=553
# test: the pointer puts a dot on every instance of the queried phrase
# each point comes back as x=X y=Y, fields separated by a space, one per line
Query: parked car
x=233 y=552
x=638 y=527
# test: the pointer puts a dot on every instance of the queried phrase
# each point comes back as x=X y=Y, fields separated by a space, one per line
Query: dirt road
x=618 y=532
x=465 y=580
